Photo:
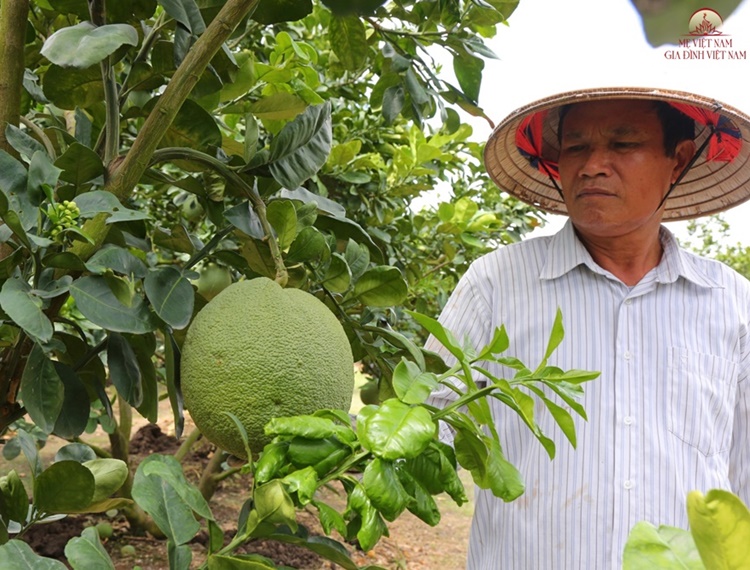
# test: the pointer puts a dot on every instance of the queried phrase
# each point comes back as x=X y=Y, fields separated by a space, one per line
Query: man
x=668 y=330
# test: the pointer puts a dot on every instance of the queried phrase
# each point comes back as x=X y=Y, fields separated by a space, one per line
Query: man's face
x=613 y=167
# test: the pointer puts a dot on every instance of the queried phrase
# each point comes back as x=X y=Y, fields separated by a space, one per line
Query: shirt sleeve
x=467 y=316
x=739 y=455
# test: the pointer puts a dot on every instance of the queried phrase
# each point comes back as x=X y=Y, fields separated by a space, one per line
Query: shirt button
x=628 y=301
x=629 y=484
x=628 y=420
x=628 y=355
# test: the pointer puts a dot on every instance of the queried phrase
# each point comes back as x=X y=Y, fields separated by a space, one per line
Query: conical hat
x=521 y=154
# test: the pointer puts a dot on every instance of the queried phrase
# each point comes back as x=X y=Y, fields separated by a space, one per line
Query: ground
x=412 y=544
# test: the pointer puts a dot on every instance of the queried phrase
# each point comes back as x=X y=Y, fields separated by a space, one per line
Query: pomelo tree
x=153 y=151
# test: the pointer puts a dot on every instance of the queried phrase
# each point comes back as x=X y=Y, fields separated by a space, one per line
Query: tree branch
x=124 y=174
x=128 y=172
x=12 y=34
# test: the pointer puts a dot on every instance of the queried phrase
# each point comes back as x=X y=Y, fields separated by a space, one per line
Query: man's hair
x=675 y=125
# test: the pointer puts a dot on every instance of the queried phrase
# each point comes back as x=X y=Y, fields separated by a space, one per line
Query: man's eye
x=574 y=148
x=625 y=144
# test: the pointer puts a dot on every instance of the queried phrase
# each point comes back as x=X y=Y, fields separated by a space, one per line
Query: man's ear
x=683 y=152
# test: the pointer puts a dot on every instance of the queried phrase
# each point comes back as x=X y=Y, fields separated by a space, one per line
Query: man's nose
x=598 y=162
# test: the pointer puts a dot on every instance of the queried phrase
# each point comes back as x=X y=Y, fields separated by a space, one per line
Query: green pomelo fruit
x=260 y=352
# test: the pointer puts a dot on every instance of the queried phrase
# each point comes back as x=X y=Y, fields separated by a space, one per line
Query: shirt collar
x=566 y=252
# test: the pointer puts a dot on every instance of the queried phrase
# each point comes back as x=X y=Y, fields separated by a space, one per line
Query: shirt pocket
x=701 y=399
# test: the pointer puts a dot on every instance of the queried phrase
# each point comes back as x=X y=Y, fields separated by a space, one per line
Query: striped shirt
x=670 y=412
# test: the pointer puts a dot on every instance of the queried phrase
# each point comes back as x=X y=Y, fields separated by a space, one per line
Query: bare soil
x=412 y=544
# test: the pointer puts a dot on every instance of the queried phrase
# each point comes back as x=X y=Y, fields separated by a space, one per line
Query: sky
x=551 y=46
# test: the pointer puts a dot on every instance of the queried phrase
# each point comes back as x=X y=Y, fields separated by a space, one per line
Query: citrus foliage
x=312 y=131
x=148 y=142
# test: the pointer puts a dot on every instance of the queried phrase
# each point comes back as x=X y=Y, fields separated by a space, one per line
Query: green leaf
x=242 y=433
x=240 y=562
x=79 y=165
x=337 y=277
x=309 y=245
x=99 y=201
x=278 y=106
x=330 y=518
x=170 y=471
x=109 y=476
x=569 y=393
x=74 y=415
x=443 y=335
x=563 y=419
x=72 y=88
x=395 y=430
x=498 y=344
x=276 y=11
x=84 y=44
x=171 y=295
x=421 y=502
x=87 y=552
x=30 y=451
x=17 y=555
x=144 y=347
x=323 y=546
x=435 y=469
x=283 y=218
x=272 y=458
x=193 y=127
x=187 y=13
x=303 y=482
x=25 y=309
x=304 y=452
x=384 y=488
x=175 y=239
x=75 y=452
x=311 y=427
x=43 y=175
x=24 y=143
x=172 y=369
x=15 y=501
x=349 y=41
x=503 y=478
x=412 y=386
x=357 y=257
x=117 y=259
x=97 y=302
x=346 y=229
x=468 y=70
x=393 y=102
x=161 y=500
x=64 y=260
x=179 y=556
x=306 y=197
x=63 y=487
x=666 y=547
x=555 y=337
x=42 y=391
x=274 y=505
x=123 y=369
x=302 y=146
x=381 y=286
x=720 y=524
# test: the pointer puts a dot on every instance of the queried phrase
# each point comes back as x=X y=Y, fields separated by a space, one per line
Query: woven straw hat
x=521 y=154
